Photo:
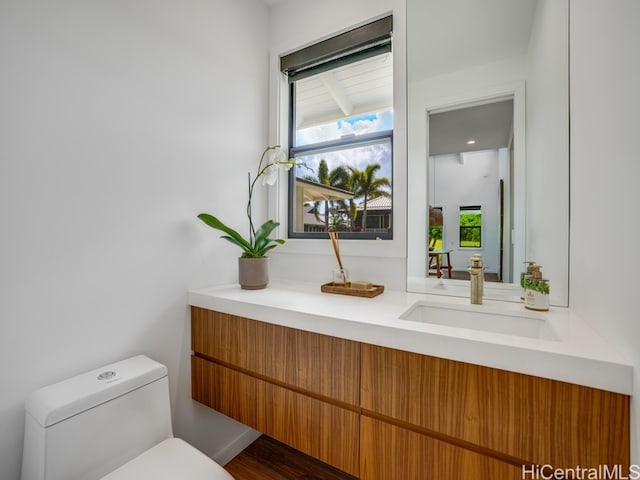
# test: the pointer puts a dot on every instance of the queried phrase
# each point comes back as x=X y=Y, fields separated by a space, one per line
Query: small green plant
x=540 y=286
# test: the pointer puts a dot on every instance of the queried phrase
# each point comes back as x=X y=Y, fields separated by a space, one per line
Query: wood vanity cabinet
x=298 y=387
x=382 y=413
x=492 y=421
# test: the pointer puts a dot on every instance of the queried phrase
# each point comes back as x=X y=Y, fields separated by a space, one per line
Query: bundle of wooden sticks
x=333 y=235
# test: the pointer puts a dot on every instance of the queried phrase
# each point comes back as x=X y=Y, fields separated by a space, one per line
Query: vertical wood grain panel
x=321 y=364
x=389 y=452
x=324 y=431
x=531 y=418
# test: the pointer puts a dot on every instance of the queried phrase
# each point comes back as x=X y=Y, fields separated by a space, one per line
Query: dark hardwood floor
x=268 y=459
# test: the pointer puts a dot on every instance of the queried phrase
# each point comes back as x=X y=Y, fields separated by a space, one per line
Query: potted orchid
x=252 y=266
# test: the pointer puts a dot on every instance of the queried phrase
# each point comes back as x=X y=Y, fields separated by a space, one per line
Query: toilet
x=113 y=423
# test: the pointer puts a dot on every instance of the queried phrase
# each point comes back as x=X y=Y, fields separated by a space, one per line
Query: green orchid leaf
x=266 y=249
x=260 y=247
x=233 y=236
x=265 y=229
x=263 y=242
x=235 y=242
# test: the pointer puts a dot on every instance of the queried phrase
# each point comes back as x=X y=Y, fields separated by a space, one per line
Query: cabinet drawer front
x=324 y=431
x=528 y=418
x=389 y=452
x=320 y=364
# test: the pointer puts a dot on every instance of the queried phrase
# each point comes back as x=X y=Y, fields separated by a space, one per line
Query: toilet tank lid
x=54 y=403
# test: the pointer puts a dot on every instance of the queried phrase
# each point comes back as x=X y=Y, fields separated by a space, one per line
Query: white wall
x=120 y=121
x=605 y=101
x=298 y=23
x=548 y=146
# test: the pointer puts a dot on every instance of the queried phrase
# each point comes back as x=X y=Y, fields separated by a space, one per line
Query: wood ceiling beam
x=337 y=93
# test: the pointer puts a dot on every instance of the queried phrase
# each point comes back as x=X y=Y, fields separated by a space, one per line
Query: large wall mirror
x=488 y=143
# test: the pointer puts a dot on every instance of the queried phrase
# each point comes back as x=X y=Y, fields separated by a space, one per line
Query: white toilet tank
x=88 y=425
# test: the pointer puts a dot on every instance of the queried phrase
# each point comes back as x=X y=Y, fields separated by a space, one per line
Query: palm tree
x=367 y=186
x=338 y=177
x=323 y=178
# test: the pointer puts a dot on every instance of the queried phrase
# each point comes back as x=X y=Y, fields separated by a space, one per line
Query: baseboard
x=236 y=446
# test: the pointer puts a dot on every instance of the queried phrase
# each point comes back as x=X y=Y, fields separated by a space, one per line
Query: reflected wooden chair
x=436 y=267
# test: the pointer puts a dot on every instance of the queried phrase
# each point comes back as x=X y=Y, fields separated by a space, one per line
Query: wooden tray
x=342 y=290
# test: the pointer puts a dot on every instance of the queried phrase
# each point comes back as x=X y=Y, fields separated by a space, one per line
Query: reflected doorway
x=470 y=178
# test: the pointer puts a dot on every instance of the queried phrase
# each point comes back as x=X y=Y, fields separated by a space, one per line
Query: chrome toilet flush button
x=107 y=375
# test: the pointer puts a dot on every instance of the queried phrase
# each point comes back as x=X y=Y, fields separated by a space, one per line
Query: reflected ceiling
x=475 y=33
x=490 y=126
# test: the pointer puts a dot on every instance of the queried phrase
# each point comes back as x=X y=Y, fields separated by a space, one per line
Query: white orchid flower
x=278 y=156
x=270 y=175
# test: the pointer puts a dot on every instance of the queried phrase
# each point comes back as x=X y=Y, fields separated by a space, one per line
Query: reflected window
x=471 y=227
x=436 y=228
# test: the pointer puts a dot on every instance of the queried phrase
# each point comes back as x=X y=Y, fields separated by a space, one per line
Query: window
x=340 y=133
x=470 y=227
x=436 y=227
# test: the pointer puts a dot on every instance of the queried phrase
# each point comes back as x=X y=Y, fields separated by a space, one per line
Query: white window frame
x=278 y=135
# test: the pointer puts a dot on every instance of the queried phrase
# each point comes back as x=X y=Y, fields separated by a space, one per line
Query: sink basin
x=518 y=324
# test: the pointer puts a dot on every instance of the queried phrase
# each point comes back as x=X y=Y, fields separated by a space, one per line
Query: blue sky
x=369 y=123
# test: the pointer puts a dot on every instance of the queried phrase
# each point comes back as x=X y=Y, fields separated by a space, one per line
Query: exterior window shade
x=368 y=40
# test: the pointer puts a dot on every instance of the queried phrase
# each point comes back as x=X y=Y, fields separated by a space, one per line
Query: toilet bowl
x=171 y=459
x=113 y=423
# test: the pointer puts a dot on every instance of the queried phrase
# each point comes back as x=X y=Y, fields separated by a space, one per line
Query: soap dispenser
x=536 y=294
x=526 y=274
x=476 y=271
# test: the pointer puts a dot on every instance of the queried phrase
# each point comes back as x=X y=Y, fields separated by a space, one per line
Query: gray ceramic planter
x=253 y=273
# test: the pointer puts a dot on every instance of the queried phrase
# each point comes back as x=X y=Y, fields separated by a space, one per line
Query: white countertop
x=579 y=355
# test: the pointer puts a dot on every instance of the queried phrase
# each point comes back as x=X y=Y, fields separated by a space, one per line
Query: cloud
x=358 y=157
x=362 y=124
